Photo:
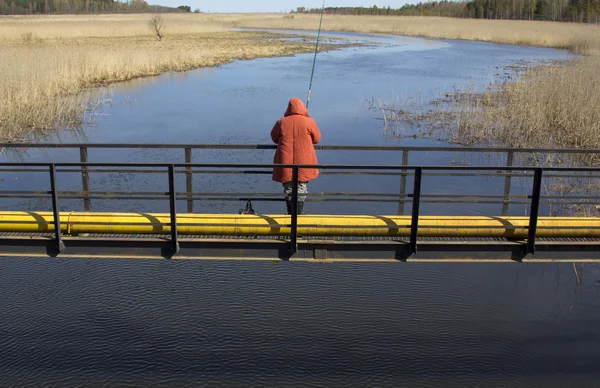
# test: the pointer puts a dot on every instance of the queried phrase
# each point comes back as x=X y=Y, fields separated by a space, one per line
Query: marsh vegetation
x=49 y=64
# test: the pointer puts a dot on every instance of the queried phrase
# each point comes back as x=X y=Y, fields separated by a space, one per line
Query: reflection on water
x=170 y=323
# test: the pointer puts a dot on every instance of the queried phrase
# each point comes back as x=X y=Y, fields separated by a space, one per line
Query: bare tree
x=156 y=24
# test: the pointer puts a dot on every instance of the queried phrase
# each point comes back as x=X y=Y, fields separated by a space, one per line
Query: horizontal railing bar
x=514 y=202
x=106 y=171
x=561 y=197
x=126 y=194
x=86 y=193
x=262 y=199
x=119 y=171
x=311 y=166
x=309 y=195
x=316 y=194
x=448 y=174
x=317 y=147
x=453 y=174
x=194 y=195
x=154 y=198
x=45 y=170
x=92 y=196
x=269 y=172
x=186 y=197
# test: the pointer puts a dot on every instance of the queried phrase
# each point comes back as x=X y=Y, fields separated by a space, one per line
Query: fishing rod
x=312 y=74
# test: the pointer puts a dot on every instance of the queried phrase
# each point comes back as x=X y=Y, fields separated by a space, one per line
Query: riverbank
x=48 y=64
x=576 y=37
x=551 y=106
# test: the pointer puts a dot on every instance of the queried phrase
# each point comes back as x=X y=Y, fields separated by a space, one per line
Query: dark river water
x=170 y=323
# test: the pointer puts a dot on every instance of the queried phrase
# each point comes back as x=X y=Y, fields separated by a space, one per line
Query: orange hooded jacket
x=295 y=135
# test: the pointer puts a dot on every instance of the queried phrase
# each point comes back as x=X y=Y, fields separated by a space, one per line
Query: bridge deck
x=442 y=249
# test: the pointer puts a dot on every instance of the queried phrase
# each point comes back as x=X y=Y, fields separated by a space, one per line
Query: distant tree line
x=444 y=8
x=556 y=10
x=15 y=7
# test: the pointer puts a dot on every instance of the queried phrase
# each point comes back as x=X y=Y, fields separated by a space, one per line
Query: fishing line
x=312 y=74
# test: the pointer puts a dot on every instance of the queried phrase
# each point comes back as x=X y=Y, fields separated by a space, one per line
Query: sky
x=273 y=5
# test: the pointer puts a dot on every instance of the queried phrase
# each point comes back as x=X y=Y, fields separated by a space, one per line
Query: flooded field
x=169 y=323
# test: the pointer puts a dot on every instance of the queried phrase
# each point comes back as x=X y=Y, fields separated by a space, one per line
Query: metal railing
x=416 y=197
x=402 y=173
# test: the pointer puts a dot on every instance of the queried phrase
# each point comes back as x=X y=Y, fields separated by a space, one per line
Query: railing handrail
x=317 y=147
x=300 y=166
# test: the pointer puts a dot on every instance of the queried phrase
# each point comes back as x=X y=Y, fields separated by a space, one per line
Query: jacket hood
x=296 y=107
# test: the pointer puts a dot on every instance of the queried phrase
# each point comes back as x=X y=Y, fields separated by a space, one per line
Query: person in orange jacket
x=295 y=135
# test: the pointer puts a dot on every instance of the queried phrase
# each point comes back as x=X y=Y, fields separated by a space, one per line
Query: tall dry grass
x=548 y=106
x=556 y=106
x=100 y=26
x=48 y=64
x=578 y=37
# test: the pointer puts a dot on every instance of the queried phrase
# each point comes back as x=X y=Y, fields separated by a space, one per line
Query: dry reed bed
x=555 y=106
x=581 y=38
x=103 y=26
x=48 y=62
x=548 y=106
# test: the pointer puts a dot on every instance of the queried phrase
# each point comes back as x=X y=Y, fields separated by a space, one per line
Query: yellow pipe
x=308 y=225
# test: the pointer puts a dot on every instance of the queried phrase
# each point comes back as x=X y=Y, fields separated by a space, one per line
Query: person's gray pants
x=302 y=191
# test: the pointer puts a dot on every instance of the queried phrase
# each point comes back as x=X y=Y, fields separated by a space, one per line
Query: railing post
x=174 y=248
x=414 y=225
x=85 y=180
x=189 y=180
x=59 y=245
x=507 y=182
x=403 y=184
x=534 y=212
x=294 y=215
